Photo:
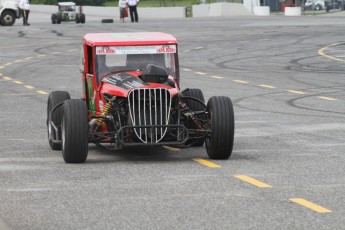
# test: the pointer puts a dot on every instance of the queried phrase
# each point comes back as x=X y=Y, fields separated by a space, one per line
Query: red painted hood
x=120 y=84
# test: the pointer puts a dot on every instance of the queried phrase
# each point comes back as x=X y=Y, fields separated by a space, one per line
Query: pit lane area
x=286 y=170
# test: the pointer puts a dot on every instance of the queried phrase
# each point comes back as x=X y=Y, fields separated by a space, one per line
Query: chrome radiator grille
x=150 y=112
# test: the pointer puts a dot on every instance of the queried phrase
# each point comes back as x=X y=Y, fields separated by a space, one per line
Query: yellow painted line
x=72 y=50
x=216 y=77
x=7 y=78
x=29 y=87
x=239 y=81
x=253 y=181
x=185 y=69
x=1 y=67
x=328 y=98
x=41 y=55
x=296 y=92
x=207 y=163
x=322 y=52
x=56 y=53
x=18 y=61
x=18 y=82
x=268 y=86
x=200 y=73
x=0 y=74
x=171 y=148
x=7 y=64
x=41 y=92
x=310 y=205
x=29 y=58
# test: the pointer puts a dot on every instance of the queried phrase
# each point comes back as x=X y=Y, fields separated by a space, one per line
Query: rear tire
x=54 y=18
x=59 y=18
x=195 y=106
x=82 y=18
x=74 y=131
x=221 y=120
x=54 y=99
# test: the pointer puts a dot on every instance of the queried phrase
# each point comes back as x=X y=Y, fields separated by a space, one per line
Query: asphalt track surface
x=285 y=76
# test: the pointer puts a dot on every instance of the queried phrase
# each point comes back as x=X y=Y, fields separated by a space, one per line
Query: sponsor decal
x=104 y=50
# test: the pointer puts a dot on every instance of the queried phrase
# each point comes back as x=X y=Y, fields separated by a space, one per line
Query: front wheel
x=221 y=122
x=74 y=131
x=7 y=18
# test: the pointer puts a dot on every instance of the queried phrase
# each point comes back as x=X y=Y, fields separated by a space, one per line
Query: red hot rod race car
x=132 y=97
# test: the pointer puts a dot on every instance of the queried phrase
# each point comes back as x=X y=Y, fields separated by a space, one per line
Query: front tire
x=7 y=18
x=74 y=131
x=221 y=120
x=54 y=99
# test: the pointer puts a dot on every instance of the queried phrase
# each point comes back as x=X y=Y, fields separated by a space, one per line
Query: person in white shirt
x=24 y=6
x=122 y=7
x=132 y=4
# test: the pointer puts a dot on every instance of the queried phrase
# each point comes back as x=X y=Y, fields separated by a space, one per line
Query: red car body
x=132 y=97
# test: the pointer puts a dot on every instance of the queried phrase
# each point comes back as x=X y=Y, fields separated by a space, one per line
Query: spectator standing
x=24 y=6
x=132 y=4
x=122 y=7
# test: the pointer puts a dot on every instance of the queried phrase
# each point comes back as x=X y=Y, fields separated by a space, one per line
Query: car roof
x=123 y=39
x=66 y=4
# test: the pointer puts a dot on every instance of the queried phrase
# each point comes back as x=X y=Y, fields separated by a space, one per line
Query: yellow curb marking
x=200 y=73
x=41 y=92
x=310 y=205
x=253 y=181
x=7 y=78
x=216 y=77
x=296 y=92
x=18 y=61
x=328 y=98
x=206 y=163
x=29 y=58
x=188 y=70
x=1 y=67
x=7 y=64
x=268 y=86
x=18 y=82
x=29 y=87
x=239 y=81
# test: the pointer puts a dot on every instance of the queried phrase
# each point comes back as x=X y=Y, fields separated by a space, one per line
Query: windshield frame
x=166 y=55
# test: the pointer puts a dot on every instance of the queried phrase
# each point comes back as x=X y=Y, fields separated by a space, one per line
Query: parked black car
x=334 y=5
